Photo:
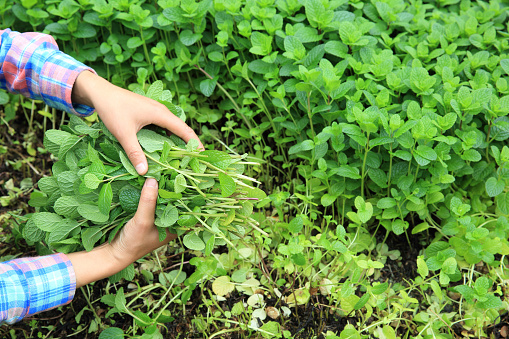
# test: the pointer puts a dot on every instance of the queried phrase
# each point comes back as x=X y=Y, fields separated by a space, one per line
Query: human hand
x=137 y=238
x=140 y=236
x=124 y=113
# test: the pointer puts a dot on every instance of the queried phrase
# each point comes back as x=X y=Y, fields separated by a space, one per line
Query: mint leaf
x=494 y=187
x=92 y=213
x=105 y=198
x=193 y=242
x=228 y=185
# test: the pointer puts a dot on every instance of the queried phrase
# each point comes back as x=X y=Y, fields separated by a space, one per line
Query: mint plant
x=379 y=121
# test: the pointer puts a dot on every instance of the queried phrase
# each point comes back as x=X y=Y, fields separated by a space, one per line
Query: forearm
x=32 y=65
x=89 y=89
x=95 y=265
x=23 y=280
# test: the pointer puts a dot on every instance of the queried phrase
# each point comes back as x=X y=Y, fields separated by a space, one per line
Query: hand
x=124 y=113
x=137 y=238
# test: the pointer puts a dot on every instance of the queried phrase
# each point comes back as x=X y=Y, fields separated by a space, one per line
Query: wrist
x=81 y=89
x=95 y=265
x=89 y=89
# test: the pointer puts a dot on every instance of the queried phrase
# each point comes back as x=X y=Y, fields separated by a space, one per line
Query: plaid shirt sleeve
x=32 y=65
x=32 y=285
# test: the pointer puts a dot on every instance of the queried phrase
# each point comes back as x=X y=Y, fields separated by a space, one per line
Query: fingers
x=178 y=127
x=147 y=205
x=129 y=142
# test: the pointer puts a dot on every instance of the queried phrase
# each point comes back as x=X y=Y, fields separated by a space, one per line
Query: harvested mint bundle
x=94 y=189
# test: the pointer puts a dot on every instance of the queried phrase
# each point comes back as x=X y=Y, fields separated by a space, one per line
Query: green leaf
x=63 y=228
x=399 y=226
x=327 y=199
x=32 y=232
x=306 y=145
x=255 y=193
x=298 y=259
x=169 y=216
x=84 y=31
x=386 y=203
x=295 y=226
x=155 y=91
x=271 y=329
x=348 y=172
x=471 y=155
x=294 y=48
x=169 y=195
x=188 y=38
x=239 y=276
x=180 y=183
x=262 y=43
x=151 y=141
x=91 y=181
x=426 y=152
x=228 y=185
x=105 y=198
x=209 y=245
x=134 y=42
x=208 y=86
x=90 y=236
x=217 y=158
x=67 y=206
x=127 y=164
x=494 y=187
x=422 y=268
x=92 y=213
x=505 y=65
x=112 y=333
x=120 y=301
x=361 y=302
x=46 y=221
x=336 y=48
x=364 y=209
x=449 y=266
x=380 y=288
x=194 y=242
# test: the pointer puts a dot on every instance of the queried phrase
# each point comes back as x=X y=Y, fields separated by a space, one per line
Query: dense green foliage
x=373 y=117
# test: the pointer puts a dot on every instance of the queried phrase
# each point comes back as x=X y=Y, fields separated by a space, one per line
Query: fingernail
x=151 y=182
x=141 y=168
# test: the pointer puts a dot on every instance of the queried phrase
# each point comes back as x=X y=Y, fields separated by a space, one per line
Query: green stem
x=99 y=321
x=237 y=108
x=364 y=166
x=145 y=50
x=171 y=167
x=390 y=173
x=309 y=115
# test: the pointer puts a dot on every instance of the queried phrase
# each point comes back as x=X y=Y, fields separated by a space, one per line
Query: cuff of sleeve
x=51 y=281
x=57 y=80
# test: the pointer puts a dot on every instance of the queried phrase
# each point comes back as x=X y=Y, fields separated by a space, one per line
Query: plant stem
x=366 y=150
x=237 y=108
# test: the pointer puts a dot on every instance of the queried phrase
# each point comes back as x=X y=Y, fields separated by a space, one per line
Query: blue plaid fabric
x=32 y=65
x=32 y=285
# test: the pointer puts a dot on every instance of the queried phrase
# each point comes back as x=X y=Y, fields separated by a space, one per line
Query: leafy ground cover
x=380 y=127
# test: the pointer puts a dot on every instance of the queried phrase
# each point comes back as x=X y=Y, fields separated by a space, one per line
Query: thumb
x=135 y=153
x=147 y=205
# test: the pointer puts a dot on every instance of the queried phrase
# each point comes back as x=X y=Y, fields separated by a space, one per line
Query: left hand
x=140 y=236
x=137 y=238
x=124 y=113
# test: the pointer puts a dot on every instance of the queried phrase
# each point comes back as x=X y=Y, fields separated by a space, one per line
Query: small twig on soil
x=172 y=266
x=28 y=162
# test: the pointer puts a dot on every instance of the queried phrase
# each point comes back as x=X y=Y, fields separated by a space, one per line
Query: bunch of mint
x=94 y=189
